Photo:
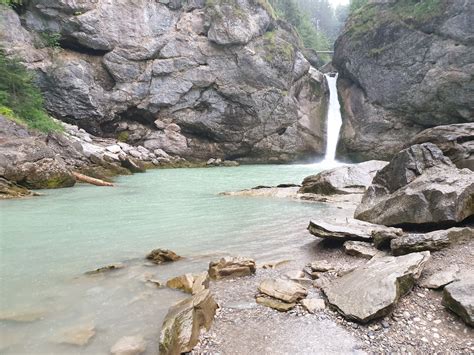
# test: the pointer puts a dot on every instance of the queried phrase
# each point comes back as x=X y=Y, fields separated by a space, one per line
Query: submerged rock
x=419 y=186
x=372 y=290
x=107 y=268
x=362 y=249
x=184 y=321
x=231 y=267
x=10 y=189
x=343 y=180
x=459 y=298
x=433 y=241
x=22 y=316
x=79 y=336
x=441 y=278
x=159 y=256
x=129 y=345
x=190 y=283
x=284 y=290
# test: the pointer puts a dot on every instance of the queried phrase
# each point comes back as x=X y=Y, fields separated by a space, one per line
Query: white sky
x=338 y=2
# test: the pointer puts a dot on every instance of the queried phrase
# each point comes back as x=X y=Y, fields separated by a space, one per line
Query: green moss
x=367 y=18
x=277 y=49
x=123 y=136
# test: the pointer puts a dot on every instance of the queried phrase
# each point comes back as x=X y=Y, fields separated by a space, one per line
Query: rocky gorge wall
x=404 y=66
x=199 y=80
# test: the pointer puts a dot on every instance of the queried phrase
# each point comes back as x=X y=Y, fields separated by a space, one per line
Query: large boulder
x=231 y=267
x=432 y=241
x=27 y=159
x=159 y=256
x=184 y=321
x=223 y=79
x=455 y=140
x=459 y=298
x=419 y=186
x=404 y=66
x=372 y=290
x=343 y=180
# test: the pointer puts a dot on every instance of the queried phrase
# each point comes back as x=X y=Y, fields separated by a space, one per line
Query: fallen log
x=91 y=180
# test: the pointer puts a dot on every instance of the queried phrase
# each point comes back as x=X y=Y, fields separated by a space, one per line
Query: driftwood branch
x=91 y=180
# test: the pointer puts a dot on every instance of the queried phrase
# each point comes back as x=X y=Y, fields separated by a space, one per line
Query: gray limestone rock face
x=226 y=74
x=433 y=241
x=419 y=186
x=400 y=74
x=342 y=180
x=372 y=290
x=459 y=297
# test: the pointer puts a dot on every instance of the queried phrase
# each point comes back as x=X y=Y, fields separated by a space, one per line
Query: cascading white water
x=334 y=122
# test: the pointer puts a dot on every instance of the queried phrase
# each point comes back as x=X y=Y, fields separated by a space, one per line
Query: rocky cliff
x=404 y=66
x=195 y=79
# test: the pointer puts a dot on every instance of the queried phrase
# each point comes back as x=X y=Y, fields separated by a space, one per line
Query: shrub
x=20 y=98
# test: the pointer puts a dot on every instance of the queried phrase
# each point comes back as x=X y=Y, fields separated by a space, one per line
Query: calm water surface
x=48 y=242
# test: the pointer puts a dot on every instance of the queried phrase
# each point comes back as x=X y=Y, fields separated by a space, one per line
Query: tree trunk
x=91 y=180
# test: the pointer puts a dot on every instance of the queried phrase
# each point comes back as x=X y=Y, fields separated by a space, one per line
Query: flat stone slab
x=459 y=297
x=362 y=249
x=284 y=290
x=441 y=278
x=313 y=304
x=432 y=241
x=372 y=290
x=351 y=230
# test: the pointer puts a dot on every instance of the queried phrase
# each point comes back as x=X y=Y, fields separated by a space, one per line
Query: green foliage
x=20 y=98
x=290 y=11
x=11 y=2
x=50 y=39
x=357 y=4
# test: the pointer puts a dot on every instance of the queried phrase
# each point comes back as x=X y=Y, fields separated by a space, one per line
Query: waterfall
x=334 y=122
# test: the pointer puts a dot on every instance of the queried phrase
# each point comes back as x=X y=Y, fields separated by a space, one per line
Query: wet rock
x=458 y=296
x=159 y=256
x=284 y=290
x=343 y=180
x=372 y=290
x=454 y=140
x=313 y=304
x=79 y=336
x=421 y=179
x=321 y=266
x=135 y=166
x=184 y=321
x=441 y=278
x=362 y=249
x=231 y=267
x=190 y=283
x=129 y=345
x=433 y=241
x=10 y=189
x=275 y=303
x=107 y=268
x=351 y=230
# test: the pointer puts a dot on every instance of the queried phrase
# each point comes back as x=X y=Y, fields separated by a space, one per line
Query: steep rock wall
x=199 y=80
x=404 y=66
